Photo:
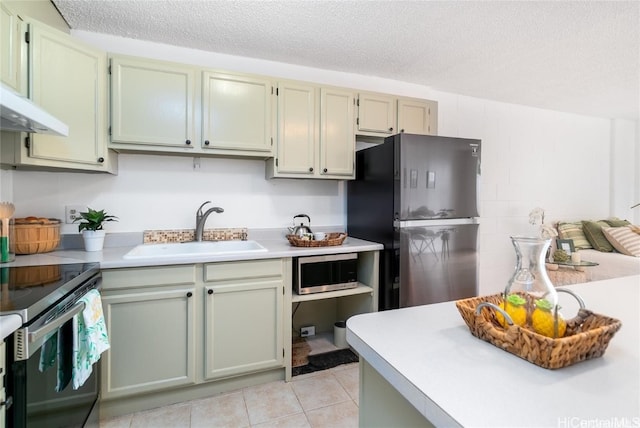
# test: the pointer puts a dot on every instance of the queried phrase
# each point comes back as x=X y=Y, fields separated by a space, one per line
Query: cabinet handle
x=189 y=294
x=209 y=291
x=206 y=142
x=100 y=160
x=311 y=169
x=390 y=129
x=8 y=402
x=402 y=130
x=188 y=142
x=324 y=170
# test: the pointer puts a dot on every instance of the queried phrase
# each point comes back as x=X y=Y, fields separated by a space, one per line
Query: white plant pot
x=93 y=239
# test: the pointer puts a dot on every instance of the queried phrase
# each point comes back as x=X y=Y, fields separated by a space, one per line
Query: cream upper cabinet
x=416 y=116
x=337 y=136
x=236 y=112
x=243 y=317
x=11 y=37
x=376 y=114
x=68 y=79
x=152 y=103
x=297 y=134
x=316 y=137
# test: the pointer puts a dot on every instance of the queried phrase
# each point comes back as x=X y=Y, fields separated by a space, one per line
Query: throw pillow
x=574 y=231
x=616 y=222
x=623 y=239
x=593 y=231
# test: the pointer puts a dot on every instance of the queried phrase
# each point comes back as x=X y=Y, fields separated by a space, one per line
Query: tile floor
x=322 y=399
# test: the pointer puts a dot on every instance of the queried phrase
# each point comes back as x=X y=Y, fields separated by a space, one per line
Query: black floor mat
x=326 y=361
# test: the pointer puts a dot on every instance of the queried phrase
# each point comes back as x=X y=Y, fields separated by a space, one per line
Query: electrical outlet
x=71 y=212
x=308 y=331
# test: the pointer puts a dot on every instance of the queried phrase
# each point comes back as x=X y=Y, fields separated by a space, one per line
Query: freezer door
x=438 y=264
x=438 y=177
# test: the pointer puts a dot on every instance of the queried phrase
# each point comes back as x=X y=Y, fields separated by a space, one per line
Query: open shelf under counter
x=360 y=289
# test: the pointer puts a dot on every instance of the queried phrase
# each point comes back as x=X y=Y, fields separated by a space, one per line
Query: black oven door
x=42 y=391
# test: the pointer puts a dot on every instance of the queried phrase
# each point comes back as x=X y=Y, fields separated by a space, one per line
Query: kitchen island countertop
x=429 y=358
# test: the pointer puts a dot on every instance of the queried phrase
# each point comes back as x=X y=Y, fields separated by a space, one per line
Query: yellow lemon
x=542 y=320
x=515 y=308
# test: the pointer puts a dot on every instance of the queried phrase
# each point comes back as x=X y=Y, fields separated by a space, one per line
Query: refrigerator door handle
x=399 y=224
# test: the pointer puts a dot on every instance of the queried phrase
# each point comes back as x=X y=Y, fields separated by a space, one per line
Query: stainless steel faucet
x=201 y=218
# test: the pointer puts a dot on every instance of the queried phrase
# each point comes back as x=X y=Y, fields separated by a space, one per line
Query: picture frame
x=566 y=245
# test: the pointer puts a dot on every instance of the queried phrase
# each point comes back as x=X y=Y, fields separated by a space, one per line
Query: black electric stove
x=47 y=297
x=29 y=290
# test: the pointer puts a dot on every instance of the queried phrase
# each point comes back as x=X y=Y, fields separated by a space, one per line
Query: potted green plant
x=91 y=228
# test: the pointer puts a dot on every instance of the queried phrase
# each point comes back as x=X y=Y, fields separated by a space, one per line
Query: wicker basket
x=587 y=336
x=33 y=238
x=332 y=239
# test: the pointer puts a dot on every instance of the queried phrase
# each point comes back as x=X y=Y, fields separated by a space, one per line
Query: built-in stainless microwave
x=315 y=274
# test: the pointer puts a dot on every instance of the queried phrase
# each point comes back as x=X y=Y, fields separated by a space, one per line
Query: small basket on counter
x=35 y=235
x=331 y=239
x=587 y=335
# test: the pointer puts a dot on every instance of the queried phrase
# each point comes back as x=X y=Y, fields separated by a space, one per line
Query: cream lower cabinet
x=150 y=315
x=177 y=329
x=68 y=79
x=152 y=104
x=315 y=136
x=243 y=330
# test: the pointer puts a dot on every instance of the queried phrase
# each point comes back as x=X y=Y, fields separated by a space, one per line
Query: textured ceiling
x=573 y=56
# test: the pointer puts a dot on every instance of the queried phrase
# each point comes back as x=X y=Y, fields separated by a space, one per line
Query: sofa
x=612 y=243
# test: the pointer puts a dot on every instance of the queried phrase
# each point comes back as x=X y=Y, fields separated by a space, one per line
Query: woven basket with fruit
x=538 y=338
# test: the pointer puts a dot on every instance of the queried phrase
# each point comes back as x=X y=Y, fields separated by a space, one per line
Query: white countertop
x=110 y=258
x=454 y=379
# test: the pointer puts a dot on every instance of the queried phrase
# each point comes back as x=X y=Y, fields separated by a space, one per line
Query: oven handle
x=35 y=335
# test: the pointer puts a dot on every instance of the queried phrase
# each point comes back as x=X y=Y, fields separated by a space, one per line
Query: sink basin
x=192 y=249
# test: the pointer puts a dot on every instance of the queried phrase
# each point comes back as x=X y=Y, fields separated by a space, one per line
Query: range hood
x=21 y=114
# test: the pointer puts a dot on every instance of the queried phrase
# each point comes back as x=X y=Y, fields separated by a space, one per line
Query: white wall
x=531 y=157
x=164 y=192
x=625 y=154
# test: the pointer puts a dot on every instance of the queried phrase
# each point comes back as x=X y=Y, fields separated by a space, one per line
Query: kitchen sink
x=191 y=249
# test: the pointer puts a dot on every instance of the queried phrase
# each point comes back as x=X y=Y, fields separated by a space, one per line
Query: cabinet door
x=376 y=114
x=415 y=116
x=337 y=137
x=152 y=103
x=152 y=336
x=236 y=113
x=243 y=330
x=11 y=49
x=297 y=129
x=68 y=79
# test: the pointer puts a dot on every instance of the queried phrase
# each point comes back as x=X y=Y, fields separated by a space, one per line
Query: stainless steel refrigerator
x=418 y=196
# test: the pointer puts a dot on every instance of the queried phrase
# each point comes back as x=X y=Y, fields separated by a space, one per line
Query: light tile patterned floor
x=322 y=399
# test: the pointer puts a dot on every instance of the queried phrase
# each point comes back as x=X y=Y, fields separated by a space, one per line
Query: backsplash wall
x=164 y=192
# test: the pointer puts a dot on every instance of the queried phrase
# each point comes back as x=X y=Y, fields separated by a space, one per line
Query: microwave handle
x=58 y=322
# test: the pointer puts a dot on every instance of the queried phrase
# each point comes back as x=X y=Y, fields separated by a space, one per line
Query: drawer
x=114 y=279
x=242 y=270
